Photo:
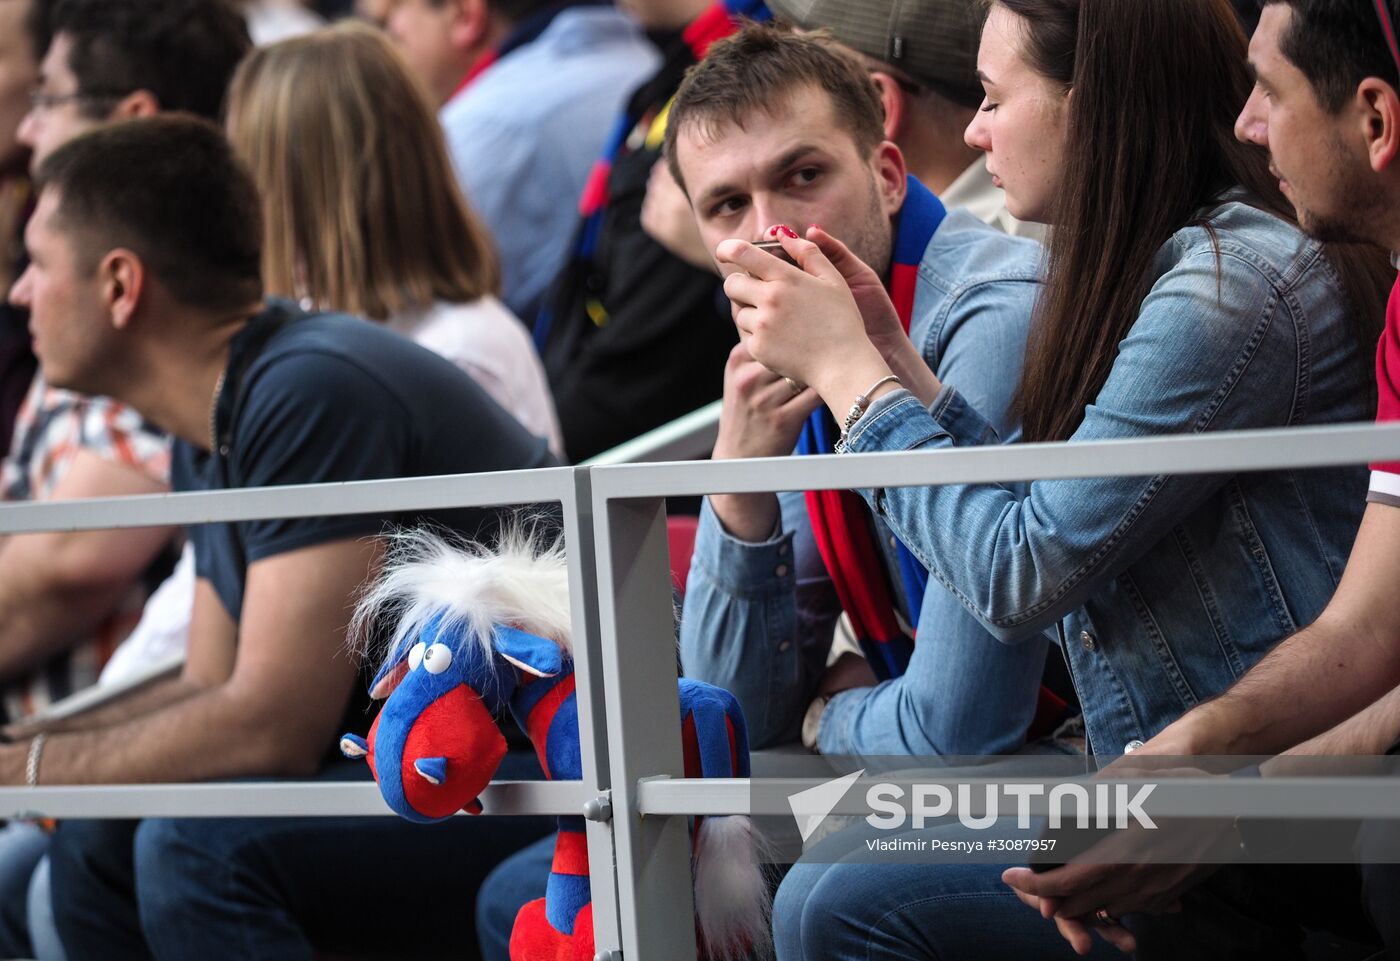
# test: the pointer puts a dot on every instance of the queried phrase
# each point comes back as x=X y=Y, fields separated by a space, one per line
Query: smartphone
x=773 y=247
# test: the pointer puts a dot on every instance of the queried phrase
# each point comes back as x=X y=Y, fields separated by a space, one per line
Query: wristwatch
x=811 y=722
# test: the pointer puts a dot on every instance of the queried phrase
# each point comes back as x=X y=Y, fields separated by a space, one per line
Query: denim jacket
x=759 y=617
x=1163 y=589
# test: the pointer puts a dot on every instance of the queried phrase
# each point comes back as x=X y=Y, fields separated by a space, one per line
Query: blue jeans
x=853 y=909
x=43 y=933
x=516 y=881
x=842 y=902
x=22 y=845
x=883 y=912
x=274 y=887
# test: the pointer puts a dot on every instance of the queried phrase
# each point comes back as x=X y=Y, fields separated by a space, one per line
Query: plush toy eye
x=437 y=659
x=415 y=656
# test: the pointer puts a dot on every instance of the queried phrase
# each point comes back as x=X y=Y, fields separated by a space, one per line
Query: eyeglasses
x=40 y=100
x=1388 y=29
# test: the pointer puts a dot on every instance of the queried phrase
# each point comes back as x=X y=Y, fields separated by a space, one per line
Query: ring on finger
x=794 y=386
x=1103 y=918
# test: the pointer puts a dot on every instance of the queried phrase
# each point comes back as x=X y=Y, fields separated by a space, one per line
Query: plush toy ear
x=353 y=746
x=535 y=655
x=389 y=676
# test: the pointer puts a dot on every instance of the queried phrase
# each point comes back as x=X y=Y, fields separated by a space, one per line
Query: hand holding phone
x=774 y=247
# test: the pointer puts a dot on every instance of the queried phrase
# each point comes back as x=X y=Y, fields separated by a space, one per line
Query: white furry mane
x=523 y=581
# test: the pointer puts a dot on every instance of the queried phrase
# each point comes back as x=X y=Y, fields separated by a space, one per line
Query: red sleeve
x=1385 y=478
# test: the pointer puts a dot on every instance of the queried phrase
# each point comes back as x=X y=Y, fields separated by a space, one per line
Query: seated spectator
x=146 y=286
x=367 y=220
x=529 y=90
x=422 y=264
x=632 y=335
x=1332 y=688
x=19 y=69
x=770 y=575
x=66 y=600
x=1179 y=289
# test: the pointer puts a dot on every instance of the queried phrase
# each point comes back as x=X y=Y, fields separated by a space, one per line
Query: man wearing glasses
x=117 y=61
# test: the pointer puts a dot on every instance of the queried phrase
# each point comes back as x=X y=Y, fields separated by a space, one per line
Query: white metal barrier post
x=579 y=534
x=637 y=621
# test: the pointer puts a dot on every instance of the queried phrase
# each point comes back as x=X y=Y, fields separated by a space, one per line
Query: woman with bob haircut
x=1180 y=297
x=363 y=215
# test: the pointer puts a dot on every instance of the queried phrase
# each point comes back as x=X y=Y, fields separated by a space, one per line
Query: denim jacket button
x=781 y=570
x=894 y=542
x=783 y=549
x=1087 y=641
x=1132 y=746
x=783 y=647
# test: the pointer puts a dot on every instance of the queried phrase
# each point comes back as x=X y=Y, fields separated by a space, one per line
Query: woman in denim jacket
x=1181 y=297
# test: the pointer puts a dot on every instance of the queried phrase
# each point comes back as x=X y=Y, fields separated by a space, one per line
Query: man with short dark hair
x=1326 y=105
x=922 y=55
x=528 y=90
x=145 y=286
x=745 y=141
x=117 y=59
x=67 y=599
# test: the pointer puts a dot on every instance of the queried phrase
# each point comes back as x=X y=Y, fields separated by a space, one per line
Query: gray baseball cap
x=934 y=42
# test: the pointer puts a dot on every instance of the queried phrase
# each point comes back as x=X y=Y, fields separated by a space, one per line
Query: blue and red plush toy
x=477 y=630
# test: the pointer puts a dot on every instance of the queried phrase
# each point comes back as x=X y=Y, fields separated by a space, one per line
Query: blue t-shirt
x=329 y=398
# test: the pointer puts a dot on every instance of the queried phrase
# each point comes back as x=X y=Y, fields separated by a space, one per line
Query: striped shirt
x=52 y=427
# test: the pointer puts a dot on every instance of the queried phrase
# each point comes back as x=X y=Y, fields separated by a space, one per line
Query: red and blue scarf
x=841 y=523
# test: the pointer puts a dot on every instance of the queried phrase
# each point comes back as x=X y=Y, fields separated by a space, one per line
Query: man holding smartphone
x=764 y=146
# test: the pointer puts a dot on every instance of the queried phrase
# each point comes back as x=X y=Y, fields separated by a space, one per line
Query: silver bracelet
x=31 y=764
x=859 y=408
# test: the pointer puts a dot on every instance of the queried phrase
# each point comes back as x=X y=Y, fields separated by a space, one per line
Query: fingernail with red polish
x=773 y=230
x=814 y=226
x=787 y=231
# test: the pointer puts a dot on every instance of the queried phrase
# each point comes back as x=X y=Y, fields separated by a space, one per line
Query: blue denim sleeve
x=963 y=693
x=758 y=620
x=1210 y=350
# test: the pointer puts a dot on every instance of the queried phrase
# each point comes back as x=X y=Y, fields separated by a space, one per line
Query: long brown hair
x=1150 y=148
x=363 y=212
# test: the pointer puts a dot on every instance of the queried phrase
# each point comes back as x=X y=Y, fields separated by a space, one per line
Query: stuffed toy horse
x=475 y=630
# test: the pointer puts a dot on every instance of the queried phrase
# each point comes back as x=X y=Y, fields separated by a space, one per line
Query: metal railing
x=614 y=522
